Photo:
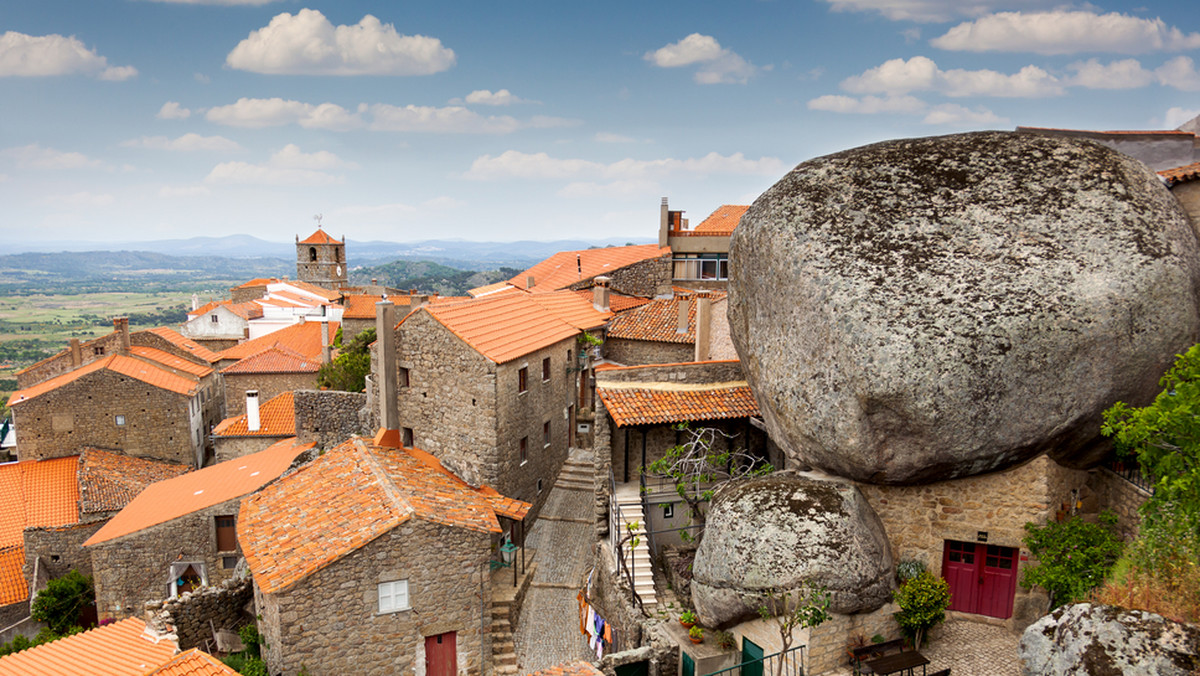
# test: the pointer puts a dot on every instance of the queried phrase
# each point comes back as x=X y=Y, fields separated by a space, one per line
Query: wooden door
x=752 y=655
x=959 y=567
x=441 y=657
x=687 y=665
x=982 y=577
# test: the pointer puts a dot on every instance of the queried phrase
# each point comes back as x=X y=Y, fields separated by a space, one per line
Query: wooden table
x=892 y=664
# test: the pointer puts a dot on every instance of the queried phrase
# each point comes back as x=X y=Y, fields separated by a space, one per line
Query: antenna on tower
x=318 y=218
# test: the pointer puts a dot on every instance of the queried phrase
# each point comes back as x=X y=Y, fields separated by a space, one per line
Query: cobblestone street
x=970 y=649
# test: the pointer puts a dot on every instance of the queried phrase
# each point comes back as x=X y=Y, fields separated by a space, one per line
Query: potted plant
x=687 y=618
x=696 y=634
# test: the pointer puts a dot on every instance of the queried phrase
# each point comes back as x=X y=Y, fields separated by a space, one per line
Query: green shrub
x=1074 y=557
x=923 y=601
x=61 y=602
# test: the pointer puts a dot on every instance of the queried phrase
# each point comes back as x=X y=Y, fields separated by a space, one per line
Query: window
x=229 y=562
x=402 y=378
x=393 y=596
x=570 y=356
x=539 y=486
x=701 y=266
x=523 y=379
x=406 y=437
x=214 y=319
x=226 y=533
x=546 y=433
x=524 y=449
x=546 y=368
x=120 y=420
x=98 y=350
x=668 y=510
x=312 y=253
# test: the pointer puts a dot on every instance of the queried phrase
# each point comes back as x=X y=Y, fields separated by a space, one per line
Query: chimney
x=703 y=326
x=529 y=282
x=600 y=292
x=385 y=343
x=663 y=223
x=253 y=423
x=412 y=292
x=374 y=281
x=417 y=301
x=682 y=325
x=195 y=302
x=324 y=341
x=76 y=354
x=246 y=333
x=121 y=324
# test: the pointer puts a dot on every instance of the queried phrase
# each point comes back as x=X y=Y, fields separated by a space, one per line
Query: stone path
x=548 y=631
x=970 y=649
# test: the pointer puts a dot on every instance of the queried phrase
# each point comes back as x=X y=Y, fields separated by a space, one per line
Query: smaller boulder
x=780 y=532
x=1084 y=639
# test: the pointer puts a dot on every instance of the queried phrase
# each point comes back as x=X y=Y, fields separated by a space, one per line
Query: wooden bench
x=869 y=652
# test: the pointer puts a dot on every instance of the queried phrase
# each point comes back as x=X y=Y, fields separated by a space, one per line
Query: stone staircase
x=637 y=558
x=504 y=651
x=577 y=475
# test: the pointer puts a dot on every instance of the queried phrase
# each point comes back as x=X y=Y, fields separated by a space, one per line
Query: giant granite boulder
x=933 y=308
x=1086 y=639
x=779 y=532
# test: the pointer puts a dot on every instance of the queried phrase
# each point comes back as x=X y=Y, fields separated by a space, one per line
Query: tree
x=348 y=371
x=804 y=608
x=61 y=602
x=1166 y=439
x=694 y=466
x=923 y=601
x=1074 y=556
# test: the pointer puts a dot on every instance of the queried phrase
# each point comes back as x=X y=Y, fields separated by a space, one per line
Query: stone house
x=1158 y=149
x=309 y=339
x=125 y=647
x=641 y=270
x=262 y=425
x=288 y=302
x=269 y=373
x=489 y=386
x=180 y=533
x=321 y=260
x=1184 y=186
x=251 y=290
x=221 y=324
x=687 y=326
x=700 y=255
x=395 y=560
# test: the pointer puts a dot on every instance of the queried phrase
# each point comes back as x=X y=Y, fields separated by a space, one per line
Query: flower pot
x=695 y=640
x=686 y=625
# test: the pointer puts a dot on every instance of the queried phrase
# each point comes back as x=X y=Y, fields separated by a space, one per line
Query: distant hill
x=428 y=277
x=140 y=271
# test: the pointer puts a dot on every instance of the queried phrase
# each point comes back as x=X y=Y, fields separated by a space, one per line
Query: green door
x=634 y=669
x=689 y=667
x=751 y=658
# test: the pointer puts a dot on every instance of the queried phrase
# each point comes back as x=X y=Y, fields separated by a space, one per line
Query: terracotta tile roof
x=108 y=481
x=194 y=662
x=277 y=418
x=617 y=302
x=275 y=359
x=488 y=289
x=168 y=359
x=320 y=237
x=175 y=338
x=661 y=403
x=563 y=269
x=32 y=493
x=203 y=309
x=658 y=320
x=13 y=588
x=117 y=363
x=572 y=309
x=578 y=668
x=257 y=281
x=247 y=310
x=302 y=337
x=283 y=302
x=124 y=648
x=170 y=499
x=362 y=305
x=723 y=220
x=1188 y=172
x=500 y=327
x=348 y=497
x=327 y=294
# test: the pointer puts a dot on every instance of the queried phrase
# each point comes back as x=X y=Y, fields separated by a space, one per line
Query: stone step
x=503 y=647
x=505 y=658
x=505 y=669
x=501 y=624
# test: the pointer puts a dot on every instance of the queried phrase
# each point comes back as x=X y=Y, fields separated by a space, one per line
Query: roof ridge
x=385 y=480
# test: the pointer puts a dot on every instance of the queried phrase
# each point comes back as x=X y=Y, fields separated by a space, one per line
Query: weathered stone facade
x=60 y=548
x=329 y=622
x=188 y=616
x=134 y=569
x=321 y=260
x=230 y=447
x=636 y=352
x=645 y=278
x=269 y=385
x=328 y=417
x=77 y=354
x=1122 y=497
x=1188 y=195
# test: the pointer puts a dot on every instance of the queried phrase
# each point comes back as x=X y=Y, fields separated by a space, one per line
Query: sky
x=500 y=121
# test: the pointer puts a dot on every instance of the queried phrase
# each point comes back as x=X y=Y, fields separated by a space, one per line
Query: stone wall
x=56 y=365
x=247 y=293
x=329 y=417
x=60 y=548
x=189 y=615
x=133 y=570
x=1122 y=497
x=721 y=344
x=352 y=326
x=218 y=344
x=686 y=372
x=1188 y=195
x=12 y=614
x=324 y=621
x=636 y=352
x=158 y=422
x=228 y=448
x=645 y=278
x=827 y=644
x=268 y=385
x=610 y=596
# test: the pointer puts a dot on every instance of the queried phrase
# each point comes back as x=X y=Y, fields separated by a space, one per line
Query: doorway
x=982 y=577
x=441 y=656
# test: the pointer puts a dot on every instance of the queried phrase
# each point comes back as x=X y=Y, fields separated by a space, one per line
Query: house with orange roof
x=179 y=534
x=359 y=312
x=687 y=326
x=1158 y=149
x=489 y=385
x=386 y=575
x=221 y=324
x=700 y=255
x=262 y=425
x=641 y=270
x=252 y=290
x=126 y=648
x=321 y=260
x=269 y=373
x=1183 y=183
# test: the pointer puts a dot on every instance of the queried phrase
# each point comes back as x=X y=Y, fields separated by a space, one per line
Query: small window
x=98 y=350
x=120 y=420
x=312 y=253
x=539 y=486
x=226 y=533
x=668 y=510
x=402 y=378
x=214 y=319
x=406 y=437
x=393 y=596
x=524 y=450
x=523 y=379
x=229 y=562
x=570 y=356
x=546 y=433
x=546 y=369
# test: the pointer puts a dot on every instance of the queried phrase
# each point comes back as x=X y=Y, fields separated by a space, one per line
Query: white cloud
x=608 y=137
x=1180 y=73
x=927 y=10
x=291 y=157
x=516 y=164
x=308 y=44
x=274 y=112
x=1124 y=74
x=171 y=110
x=867 y=105
x=920 y=73
x=484 y=97
x=24 y=55
x=186 y=143
x=1065 y=32
x=172 y=191
x=954 y=114
x=717 y=65
x=1177 y=116
x=33 y=156
x=287 y=167
x=201 y=78
x=614 y=190
x=447 y=120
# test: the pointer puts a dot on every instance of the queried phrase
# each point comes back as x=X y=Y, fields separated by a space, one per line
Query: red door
x=982 y=577
x=441 y=658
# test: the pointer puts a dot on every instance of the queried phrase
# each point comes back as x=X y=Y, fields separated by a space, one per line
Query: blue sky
x=146 y=119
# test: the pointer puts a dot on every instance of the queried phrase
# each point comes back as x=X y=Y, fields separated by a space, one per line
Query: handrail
x=1131 y=471
x=617 y=535
x=786 y=663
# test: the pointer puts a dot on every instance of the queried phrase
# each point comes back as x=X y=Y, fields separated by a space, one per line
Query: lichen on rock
x=1087 y=639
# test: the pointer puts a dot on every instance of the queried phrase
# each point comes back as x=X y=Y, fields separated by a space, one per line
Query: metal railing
x=1131 y=471
x=788 y=663
x=617 y=533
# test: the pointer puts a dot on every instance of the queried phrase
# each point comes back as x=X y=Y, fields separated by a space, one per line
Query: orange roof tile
x=723 y=220
x=170 y=499
x=302 y=337
x=13 y=587
x=175 y=338
x=501 y=327
x=658 y=320
x=327 y=294
x=204 y=309
x=361 y=306
x=108 y=481
x=1188 y=172
x=661 y=403
x=319 y=237
x=167 y=359
x=617 y=302
x=274 y=359
x=572 y=309
x=257 y=281
x=578 y=668
x=194 y=662
x=568 y=267
x=363 y=491
x=124 y=648
x=32 y=493
x=487 y=289
x=247 y=310
x=277 y=418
